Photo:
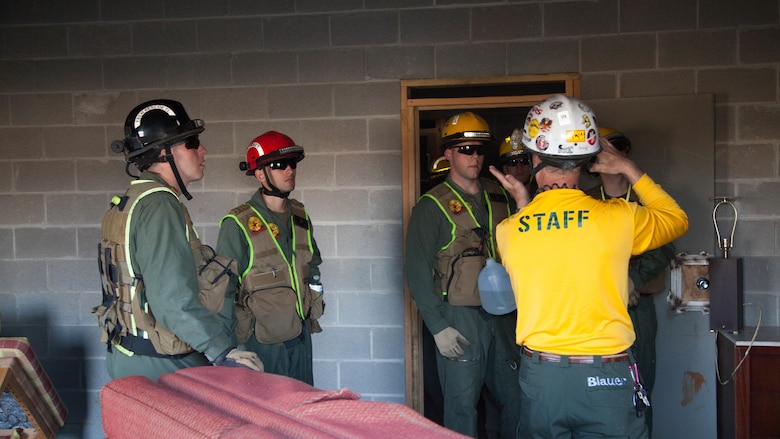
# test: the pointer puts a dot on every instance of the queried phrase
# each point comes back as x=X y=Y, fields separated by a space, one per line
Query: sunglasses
x=522 y=160
x=192 y=142
x=471 y=149
x=281 y=165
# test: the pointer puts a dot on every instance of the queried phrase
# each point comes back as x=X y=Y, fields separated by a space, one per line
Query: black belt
x=143 y=346
x=576 y=359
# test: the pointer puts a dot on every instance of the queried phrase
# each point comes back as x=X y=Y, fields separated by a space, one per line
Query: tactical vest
x=463 y=257
x=128 y=322
x=274 y=298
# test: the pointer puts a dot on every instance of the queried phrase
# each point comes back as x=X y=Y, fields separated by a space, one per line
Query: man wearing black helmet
x=153 y=318
x=271 y=238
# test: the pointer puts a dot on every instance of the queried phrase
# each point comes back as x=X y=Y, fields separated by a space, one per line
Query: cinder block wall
x=327 y=73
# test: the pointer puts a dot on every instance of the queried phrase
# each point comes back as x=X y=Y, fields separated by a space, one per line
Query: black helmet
x=152 y=126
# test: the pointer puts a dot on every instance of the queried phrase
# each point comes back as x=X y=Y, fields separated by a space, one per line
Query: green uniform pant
x=491 y=359
x=562 y=400
x=120 y=365
x=292 y=358
x=645 y=326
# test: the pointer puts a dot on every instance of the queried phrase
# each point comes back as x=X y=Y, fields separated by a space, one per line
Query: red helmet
x=268 y=147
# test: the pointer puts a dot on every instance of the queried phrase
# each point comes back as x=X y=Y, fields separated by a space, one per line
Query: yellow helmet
x=510 y=149
x=616 y=138
x=440 y=166
x=464 y=127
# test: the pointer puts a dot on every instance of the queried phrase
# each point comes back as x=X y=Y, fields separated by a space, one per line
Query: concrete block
x=733 y=162
x=435 y=26
x=372 y=309
x=384 y=205
x=261 y=7
x=755 y=237
x=88 y=40
x=75 y=209
x=657 y=83
x=326 y=372
x=306 y=6
x=230 y=34
x=387 y=343
x=73 y=141
x=599 y=86
x=396 y=4
x=758 y=198
x=49 y=242
x=342 y=343
x=761 y=274
x=736 y=85
x=88 y=238
x=74 y=275
x=255 y=68
x=758 y=122
x=540 y=57
x=231 y=104
x=367 y=170
x=471 y=60
x=8 y=305
x=104 y=108
x=332 y=135
x=198 y=8
x=375 y=98
x=725 y=123
x=22 y=276
x=659 y=15
x=371 y=240
x=622 y=52
x=579 y=18
x=364 y=28
x=288 y=101
x=58 y=178
x=108 y=176
x=316 y=171
x=387 y=275
x=375 y=378
x=506 y=22
x=199 y=70
x=50 y=75
x=759 y=45
x=5 y=114
x=135 y=72
x=342 y=274
x=733 y=13
x=42 y=109
x=22 y=12
x=218 y=141
x=210 y=207
x=337 y=65
x=6 y=177
x=6 y=245
x=222 y=173
x=325 y=235
x=21 y=143
x=692 y=48
x=384 y=134
x=131 y=11
x=22 y=209
x=400 y=62
x=36 y=42
x=298 y=32
x=333 y=203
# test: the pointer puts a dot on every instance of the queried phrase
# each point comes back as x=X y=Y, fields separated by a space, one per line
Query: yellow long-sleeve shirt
x=567 y=257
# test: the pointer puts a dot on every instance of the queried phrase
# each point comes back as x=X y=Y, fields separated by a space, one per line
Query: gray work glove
x=233 y=357
x=447 y=340
x=633 y=294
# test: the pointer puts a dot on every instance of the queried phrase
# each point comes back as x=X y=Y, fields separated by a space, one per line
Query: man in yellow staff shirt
x=567 y=256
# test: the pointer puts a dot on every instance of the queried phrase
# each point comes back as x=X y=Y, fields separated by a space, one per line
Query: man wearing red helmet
x=270 y=237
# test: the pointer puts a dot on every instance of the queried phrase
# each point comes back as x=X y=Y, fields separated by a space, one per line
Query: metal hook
x=727 y=243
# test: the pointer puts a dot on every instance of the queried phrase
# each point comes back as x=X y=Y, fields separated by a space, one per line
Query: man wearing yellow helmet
x=515 y=161
x=449 y=239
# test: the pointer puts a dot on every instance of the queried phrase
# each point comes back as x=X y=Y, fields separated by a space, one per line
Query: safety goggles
x=192 y=142
x=471 y=149
x=519 y=160
x=281 y=165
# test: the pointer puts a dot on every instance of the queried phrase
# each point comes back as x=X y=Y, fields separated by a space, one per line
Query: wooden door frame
x=411 y=107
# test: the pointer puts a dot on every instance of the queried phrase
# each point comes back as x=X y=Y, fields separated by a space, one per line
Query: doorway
x=425 y=105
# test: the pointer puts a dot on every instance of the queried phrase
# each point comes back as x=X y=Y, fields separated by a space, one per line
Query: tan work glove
x=633 y=294
x=447 y=340
x=236 y=358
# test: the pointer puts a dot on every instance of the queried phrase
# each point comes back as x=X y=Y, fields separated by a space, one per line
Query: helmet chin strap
x=168 y=157
x=274 y=191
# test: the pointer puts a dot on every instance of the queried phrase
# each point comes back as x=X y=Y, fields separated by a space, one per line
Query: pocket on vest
x=276 y=316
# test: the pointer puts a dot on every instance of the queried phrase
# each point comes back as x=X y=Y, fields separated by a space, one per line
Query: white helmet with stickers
x=561 y=127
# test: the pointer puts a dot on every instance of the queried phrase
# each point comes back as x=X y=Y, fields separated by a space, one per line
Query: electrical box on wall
x=689 y=282
x=726 y=294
